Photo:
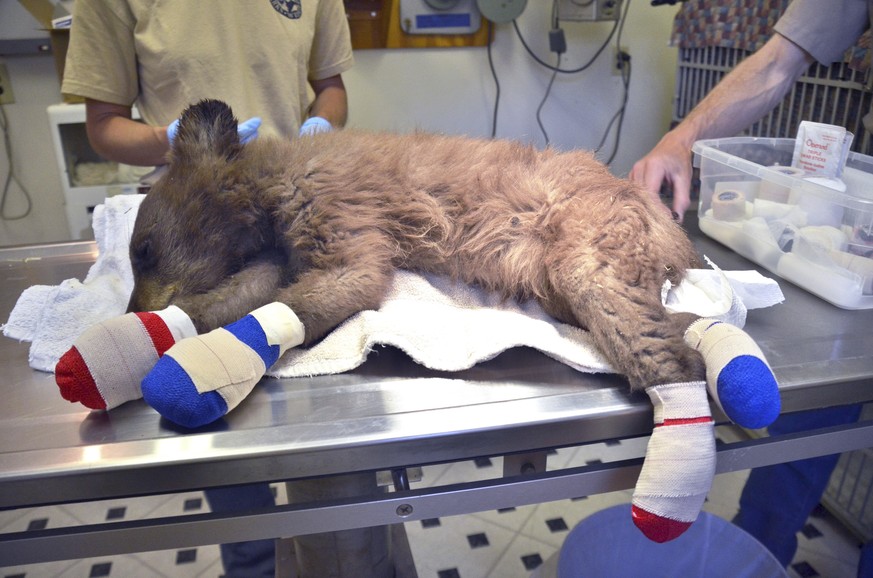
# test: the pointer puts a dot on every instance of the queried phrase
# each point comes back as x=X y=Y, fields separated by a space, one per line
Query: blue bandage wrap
x=250 y=332
x=169 y=389
x=748 y=392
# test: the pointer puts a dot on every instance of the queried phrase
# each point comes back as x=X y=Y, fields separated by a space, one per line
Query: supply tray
x=819 y=238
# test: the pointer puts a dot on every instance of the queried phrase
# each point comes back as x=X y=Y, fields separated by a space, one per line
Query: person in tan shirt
x=277 y=63
x=282 y=65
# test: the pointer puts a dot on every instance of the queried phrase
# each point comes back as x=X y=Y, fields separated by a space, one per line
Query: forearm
x=331 y=102
x=115 y=136
x=745 y=95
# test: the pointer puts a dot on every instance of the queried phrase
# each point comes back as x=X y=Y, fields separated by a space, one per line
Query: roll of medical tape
x=779 y=193
x=729 y=205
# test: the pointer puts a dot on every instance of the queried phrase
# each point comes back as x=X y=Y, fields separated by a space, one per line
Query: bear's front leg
x=252 y=287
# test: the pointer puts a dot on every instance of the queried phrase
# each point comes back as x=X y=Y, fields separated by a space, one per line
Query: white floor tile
x=449 y=546
x=522 y=557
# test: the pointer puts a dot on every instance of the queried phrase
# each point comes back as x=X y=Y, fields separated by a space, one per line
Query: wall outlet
x=6 y=95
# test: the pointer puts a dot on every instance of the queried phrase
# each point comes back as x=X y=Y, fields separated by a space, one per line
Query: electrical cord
x=625 y=62
x=562 y=70
x=625 y=73
x=11 y=177
x=619 y=115
x=543 y=102
x=496 y=81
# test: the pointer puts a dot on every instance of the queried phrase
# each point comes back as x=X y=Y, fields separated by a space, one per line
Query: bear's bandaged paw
x=108 y=361
x=679 y=464
x=737 y=374
x=202 y=378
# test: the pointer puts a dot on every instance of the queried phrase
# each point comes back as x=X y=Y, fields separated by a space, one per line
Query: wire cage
x=834 y=94
x=849 y=495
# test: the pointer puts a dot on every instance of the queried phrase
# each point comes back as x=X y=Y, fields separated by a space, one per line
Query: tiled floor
x=498 y=544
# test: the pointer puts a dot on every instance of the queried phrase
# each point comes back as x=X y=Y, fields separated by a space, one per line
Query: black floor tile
x=37 y=524
x=188 y=556
x=810 y=532
x=100 y=570
x=804 y=570
x=557 y=525
x=531 y=561
x=483 y=462
x=478 y=540
x=431 y=523
x=116 y=513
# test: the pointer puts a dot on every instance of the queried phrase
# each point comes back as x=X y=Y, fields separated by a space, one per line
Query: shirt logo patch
x=288 y=8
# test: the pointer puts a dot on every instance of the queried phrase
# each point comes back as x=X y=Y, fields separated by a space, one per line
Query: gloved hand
x=247 y=130
x=315 y=125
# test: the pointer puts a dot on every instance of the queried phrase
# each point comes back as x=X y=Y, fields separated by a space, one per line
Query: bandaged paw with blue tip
x=737 y=374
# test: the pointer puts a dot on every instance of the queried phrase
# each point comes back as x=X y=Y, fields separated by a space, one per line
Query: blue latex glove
x=247 y=130
x=315 y=125
x=172 y=130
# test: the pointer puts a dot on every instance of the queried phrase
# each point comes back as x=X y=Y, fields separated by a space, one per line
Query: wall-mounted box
x=55 y=18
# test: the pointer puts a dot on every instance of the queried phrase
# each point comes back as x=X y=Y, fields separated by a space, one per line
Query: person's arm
x=331 y=102
x=745 y=95
x=115 y=136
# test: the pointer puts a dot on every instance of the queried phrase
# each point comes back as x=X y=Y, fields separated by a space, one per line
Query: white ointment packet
x=821 y=149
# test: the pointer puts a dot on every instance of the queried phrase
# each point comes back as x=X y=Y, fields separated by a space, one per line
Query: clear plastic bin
x=813 y=235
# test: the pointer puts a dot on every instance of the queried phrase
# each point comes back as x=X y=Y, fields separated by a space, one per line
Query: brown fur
x=321 y=224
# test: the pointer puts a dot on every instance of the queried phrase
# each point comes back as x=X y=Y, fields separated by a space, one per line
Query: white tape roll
x=770 y=209
x=729 y=205
x=771 y=191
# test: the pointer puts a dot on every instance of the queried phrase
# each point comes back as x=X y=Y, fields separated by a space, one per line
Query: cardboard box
x=46 y=12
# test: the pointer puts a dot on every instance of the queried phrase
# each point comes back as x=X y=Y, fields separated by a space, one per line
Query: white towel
x=51 y=317
x=440 y=324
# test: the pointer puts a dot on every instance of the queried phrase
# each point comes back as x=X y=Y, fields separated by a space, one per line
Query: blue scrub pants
x=245 y=559
x=777 y=500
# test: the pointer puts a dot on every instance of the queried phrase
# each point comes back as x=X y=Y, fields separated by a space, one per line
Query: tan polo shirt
x=163 y=55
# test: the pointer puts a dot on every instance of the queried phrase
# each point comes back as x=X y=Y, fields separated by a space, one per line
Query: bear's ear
x=207 y=129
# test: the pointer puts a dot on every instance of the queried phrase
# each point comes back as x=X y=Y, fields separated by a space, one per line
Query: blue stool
x=608 y=545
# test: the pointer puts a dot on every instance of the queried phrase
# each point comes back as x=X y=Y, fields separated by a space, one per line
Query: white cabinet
x=87 y=178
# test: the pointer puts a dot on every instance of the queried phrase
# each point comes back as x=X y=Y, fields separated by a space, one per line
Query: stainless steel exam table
x=387 y=415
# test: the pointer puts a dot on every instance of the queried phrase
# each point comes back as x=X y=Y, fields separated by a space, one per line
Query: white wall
x=452 y=90
x=446 y=90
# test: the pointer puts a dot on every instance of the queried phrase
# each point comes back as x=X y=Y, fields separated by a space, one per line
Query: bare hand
x=668 y=163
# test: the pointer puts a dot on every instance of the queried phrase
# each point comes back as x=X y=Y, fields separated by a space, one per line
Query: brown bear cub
x=321 y=224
